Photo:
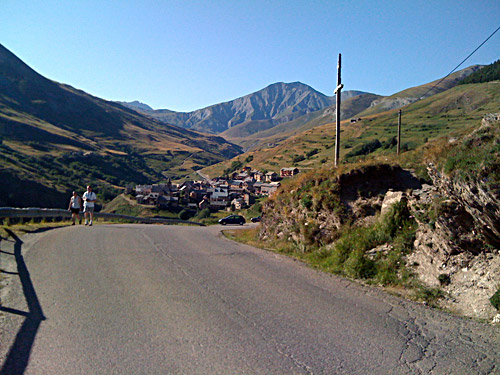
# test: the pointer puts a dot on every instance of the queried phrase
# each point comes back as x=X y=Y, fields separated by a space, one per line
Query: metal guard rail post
x=33 y=212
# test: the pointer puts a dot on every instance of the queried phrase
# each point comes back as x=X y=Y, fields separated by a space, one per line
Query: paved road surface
x=139 y=299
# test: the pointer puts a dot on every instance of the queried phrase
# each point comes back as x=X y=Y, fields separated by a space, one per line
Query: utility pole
x=399 y=133
x=337 y=130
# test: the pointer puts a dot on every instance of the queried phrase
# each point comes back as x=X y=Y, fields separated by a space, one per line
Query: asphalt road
x=139 y=299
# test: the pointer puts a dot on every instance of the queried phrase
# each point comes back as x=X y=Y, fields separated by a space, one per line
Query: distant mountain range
x=276 y=104
x=284 y=109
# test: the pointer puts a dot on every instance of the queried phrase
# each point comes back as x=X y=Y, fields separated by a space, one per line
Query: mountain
x=245 y=136
x=136 y=105
x=62 y=138
x=276 y=104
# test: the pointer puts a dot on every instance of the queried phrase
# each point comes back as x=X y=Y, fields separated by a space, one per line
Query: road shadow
x=19 y=353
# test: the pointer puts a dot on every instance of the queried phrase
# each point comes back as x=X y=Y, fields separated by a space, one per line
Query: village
x=237 y=191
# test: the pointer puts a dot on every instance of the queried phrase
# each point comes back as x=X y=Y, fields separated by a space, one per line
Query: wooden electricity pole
x=399 y=133
x=337 y=130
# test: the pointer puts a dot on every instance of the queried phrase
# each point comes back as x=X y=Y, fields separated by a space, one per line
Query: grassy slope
x=412 y=94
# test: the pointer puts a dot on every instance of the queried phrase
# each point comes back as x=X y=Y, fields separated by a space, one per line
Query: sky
x=185 y=55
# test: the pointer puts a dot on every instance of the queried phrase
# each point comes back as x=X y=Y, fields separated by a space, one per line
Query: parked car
x=255 y=219
x=232 y=219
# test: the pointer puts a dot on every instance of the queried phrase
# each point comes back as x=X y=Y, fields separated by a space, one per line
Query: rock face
x=451 y=248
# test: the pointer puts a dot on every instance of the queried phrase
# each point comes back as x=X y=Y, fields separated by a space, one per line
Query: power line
x=464 y=60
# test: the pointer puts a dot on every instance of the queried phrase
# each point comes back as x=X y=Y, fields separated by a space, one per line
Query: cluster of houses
x=237 y=192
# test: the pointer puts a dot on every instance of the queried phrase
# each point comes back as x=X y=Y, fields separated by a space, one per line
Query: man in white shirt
x=89 y=198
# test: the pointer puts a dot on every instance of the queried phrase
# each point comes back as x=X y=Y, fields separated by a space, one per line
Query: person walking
x=89 y=198
x=75 y=206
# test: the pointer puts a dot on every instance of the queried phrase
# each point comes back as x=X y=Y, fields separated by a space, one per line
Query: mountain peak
x=137 y=105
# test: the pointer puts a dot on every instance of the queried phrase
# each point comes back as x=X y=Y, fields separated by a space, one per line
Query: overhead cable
x=464 y=60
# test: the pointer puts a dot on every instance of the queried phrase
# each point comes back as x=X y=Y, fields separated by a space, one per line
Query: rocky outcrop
x=457 y=244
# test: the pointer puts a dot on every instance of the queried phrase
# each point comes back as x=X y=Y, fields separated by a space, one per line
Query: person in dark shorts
x=75 y=205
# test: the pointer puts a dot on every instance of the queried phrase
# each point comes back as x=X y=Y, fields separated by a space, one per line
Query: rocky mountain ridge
x=277 y=103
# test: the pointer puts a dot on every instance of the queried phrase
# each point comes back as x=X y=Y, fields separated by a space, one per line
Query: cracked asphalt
x=148 y=299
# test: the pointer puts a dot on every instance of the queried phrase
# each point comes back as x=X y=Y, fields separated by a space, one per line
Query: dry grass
x=248 y=236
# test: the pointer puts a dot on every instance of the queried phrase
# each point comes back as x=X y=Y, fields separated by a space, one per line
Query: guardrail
x=43 y=213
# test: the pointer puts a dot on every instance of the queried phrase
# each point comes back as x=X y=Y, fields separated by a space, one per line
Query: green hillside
x=56 y=138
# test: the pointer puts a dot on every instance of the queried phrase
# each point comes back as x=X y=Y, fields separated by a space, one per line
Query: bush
x=185 y=215
x=429 y=295
x=359 y=266
x=390 y=143
x=313 y=152
x=306 y=202
x=365 y=148
x=495 y=300
x=444 y=279
x=298 y=158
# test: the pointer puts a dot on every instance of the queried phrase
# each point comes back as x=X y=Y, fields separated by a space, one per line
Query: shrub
x=359 y=266
x=313 y=152
x=495 y=300
x=306 y=202
x=185 y=215
x=396 y=218
x=365 y=148
x=444 y=279
x=298 y=158
x=428 y=295
x=390 y=143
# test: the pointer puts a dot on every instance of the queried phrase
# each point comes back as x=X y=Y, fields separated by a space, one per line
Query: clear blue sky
x=185 y=55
